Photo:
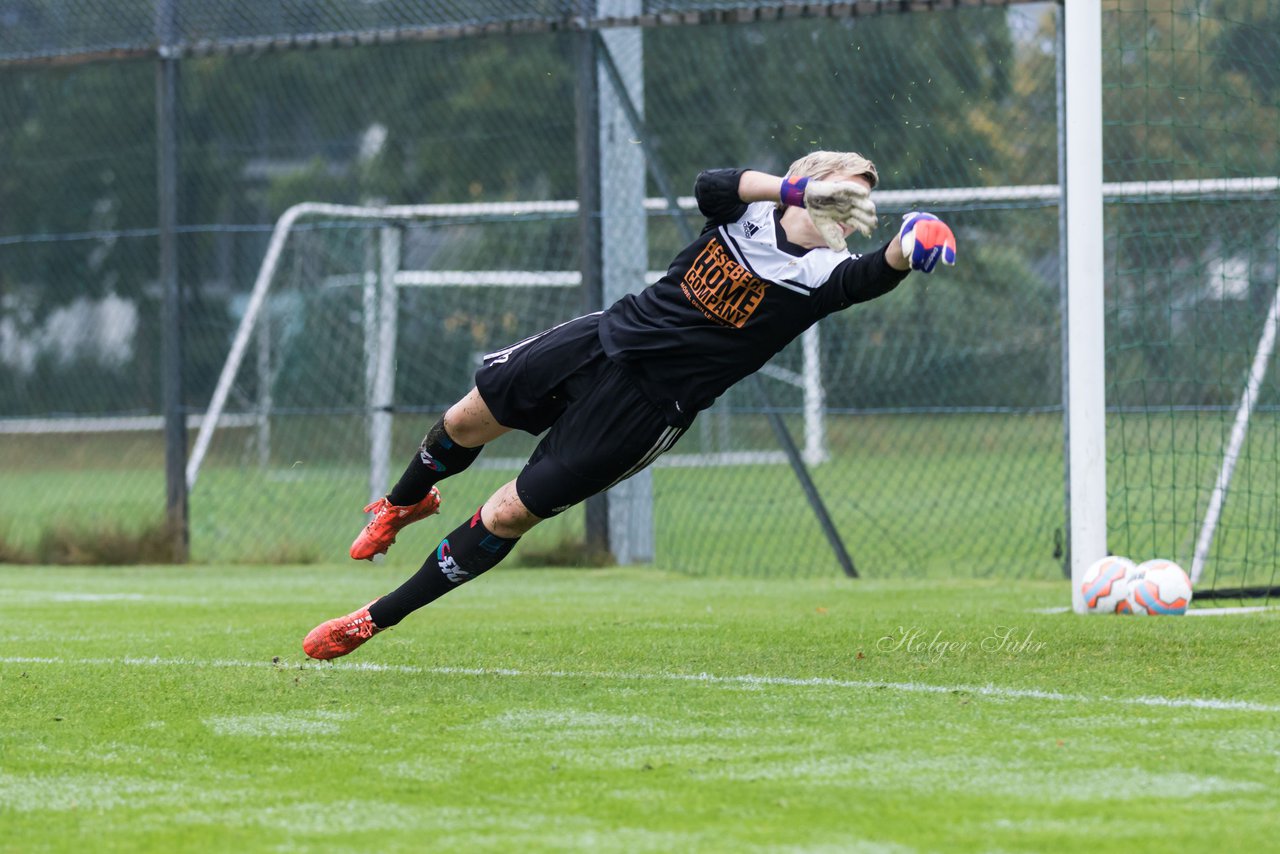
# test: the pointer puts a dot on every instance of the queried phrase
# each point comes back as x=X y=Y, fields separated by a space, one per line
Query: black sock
x=470 y=550
x=438 y=457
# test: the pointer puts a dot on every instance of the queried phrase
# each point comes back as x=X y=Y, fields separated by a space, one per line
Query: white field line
x=1191 y=612
x=704 y=678
x=1227 y=612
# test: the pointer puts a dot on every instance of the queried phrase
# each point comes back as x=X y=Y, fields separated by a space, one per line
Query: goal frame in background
x=380 y=300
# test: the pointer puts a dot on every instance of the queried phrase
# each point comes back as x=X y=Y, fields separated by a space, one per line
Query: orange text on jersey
x=721 y=288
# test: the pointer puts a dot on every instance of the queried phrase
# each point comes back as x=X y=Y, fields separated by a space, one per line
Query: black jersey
x=731 y=300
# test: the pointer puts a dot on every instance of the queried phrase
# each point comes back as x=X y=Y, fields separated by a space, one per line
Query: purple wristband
x=793 y=191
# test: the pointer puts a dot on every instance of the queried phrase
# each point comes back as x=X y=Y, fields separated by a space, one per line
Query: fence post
x=624 y=241
x=587 y=108
x=384 y=376
x=177 y=519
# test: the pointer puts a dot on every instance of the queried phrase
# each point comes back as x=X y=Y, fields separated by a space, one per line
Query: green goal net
x=1192 y=109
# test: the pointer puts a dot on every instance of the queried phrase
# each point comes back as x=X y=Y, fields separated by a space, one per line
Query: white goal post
x=1085 y=383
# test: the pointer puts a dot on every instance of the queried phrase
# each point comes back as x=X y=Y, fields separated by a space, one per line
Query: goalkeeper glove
x=926 y=240
x=832 y=204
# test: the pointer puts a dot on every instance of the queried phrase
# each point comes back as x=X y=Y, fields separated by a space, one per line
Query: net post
x=623 y=239
x=369 y=319
x=177 y=505
x=815 y=403
x=265 y=403
x=587 y=131
x=1064 y=354
x=1086 y=376
x=384 y=380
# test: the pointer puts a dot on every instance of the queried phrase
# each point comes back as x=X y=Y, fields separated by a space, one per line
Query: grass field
x=917 y=496
x=913 y=496
x=166 y=709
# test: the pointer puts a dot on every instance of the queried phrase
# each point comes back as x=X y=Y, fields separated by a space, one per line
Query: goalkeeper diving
x=611 y=391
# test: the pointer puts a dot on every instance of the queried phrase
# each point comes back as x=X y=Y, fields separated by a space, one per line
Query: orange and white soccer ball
x=1106 y=585
x=1159 y=588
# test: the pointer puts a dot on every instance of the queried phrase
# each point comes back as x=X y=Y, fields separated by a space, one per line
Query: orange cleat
x=387 y=521
x=337 y=637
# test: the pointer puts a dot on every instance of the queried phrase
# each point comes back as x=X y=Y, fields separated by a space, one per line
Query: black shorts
x=602 y=428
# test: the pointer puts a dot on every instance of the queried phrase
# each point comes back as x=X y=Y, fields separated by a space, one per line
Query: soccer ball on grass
x=1106 y=585
x=1159 y=588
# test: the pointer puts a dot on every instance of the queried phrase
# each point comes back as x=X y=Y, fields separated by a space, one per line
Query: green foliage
x=1187 y=92
x=850 y=84
x=79 y=152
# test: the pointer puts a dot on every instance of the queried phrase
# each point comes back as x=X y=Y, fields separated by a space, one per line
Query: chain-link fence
x=938 y=443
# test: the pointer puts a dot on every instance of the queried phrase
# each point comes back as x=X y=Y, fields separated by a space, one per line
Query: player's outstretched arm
x=756 y=186
x=922 y=241
x=832 y=205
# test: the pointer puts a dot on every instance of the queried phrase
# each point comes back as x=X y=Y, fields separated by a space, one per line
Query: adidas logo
x=750 y=229
x=357 y=625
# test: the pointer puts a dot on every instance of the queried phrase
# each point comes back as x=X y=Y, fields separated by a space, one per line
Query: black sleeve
x=717 y=193
x=858 y=280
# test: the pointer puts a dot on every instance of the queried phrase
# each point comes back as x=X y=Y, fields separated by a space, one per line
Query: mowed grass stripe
x=623 y=710
x=994 y=691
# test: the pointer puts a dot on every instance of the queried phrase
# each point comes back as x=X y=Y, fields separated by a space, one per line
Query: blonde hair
x=823 y=164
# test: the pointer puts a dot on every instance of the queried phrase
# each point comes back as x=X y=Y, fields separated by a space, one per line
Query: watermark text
x=936 y=646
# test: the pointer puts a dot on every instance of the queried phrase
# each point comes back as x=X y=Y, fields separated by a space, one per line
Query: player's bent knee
x=506 y=515
x=470 y=423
